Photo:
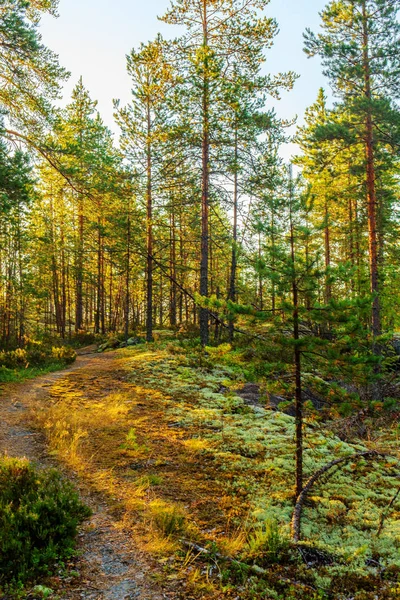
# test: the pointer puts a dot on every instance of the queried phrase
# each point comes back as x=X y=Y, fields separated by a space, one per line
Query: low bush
x=170 y=520
x=64 y=354
x=14 y=359
x=36 y=355
x=39 y=516
x=268 y=545
x=85 y=338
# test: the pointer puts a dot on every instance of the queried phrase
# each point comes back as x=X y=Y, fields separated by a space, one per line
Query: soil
x=109 y=567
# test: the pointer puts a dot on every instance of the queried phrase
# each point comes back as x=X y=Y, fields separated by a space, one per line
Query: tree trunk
x=79 y=269
x=204 y=322
x=297 y=354
x=232 y=280
x=149 y=204
x=172 y=292
x=127 y=274
x=371 y=184
x=327 y=239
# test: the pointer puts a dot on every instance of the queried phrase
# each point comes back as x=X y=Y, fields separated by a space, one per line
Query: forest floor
x=109 y=566
x=167 y=450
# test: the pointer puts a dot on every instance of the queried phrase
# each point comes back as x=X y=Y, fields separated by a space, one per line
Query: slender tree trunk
x=98 y=290
x=181 y=262
x=381 y=239
x=102 y=284
x=110 y=295
x=161 y=300
x=351 y=241
x=232 y=280
x=149 y=204
x=371 y=184
x=297 y=354
x=273 y=240
x=63 y=282
x=172 y=301
x=127 y=274
x=204 y=321
x=79 y=269
x=21 y=299
x=327 y=239
x=69 y=301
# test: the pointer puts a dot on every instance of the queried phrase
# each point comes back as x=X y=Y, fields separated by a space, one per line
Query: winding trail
x=109 y=566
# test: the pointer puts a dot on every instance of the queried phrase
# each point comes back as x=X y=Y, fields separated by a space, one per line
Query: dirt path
x=110 y=568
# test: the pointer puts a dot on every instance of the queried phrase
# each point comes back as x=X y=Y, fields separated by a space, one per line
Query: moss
x=189 y=406
x=259 y=449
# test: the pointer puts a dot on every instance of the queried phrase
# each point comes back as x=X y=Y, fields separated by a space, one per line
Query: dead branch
x=386 y=512
x=257 y=570
x=296 y=520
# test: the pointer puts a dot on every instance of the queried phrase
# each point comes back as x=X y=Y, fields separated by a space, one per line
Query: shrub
x=64 y=354
x=39 y=516
x=267 y=545
x=35 y=355
x=84 y=338
x=170 y=520
x=14 y=359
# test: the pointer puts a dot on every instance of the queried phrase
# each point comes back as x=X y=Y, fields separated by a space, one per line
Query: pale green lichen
x=344 y=509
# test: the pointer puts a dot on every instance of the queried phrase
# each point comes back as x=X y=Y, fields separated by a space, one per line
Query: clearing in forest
x=173 y=460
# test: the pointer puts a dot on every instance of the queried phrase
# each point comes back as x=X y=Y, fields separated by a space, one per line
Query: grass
x=20 y=375
x=179 y=454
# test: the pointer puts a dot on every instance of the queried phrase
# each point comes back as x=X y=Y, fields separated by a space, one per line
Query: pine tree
x=360 y=50
x=311 y=348
x=219 y=36
x=80 y=197
x=29 y=72
x=144 y=130
x=16 y=196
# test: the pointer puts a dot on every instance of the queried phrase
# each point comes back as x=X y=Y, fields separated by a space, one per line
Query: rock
x=109 y=345
x=250 y=393
x=396 y=345
x=290 y=411
x=135 y=341
x=314 y=556
x=274 y=401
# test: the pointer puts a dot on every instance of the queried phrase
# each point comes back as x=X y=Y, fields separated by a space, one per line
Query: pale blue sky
x=92 y=38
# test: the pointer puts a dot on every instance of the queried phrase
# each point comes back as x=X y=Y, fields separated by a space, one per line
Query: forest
x=197 y=331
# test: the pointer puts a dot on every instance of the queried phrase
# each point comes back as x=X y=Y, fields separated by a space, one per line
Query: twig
x=385 y=513
x=256 y=569
x=296 y=520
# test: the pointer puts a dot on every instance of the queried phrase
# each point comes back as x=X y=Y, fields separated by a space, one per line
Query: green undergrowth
x=37 y=358
x=20 y=375
x=39 y=516
x=254 y=449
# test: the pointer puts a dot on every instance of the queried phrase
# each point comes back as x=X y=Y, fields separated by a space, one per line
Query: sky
x=92 y=38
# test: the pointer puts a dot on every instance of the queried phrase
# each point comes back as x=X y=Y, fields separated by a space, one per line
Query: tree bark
x=149 y=233
x=204 y=320
x=232 y=281
x=296 y=520
x=79 y=269
x=172 y=289
x=297 y=352
x=327 y=240
x=127 y=274
x=371 y=184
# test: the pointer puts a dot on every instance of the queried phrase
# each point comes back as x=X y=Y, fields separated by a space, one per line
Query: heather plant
x=39 y=517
